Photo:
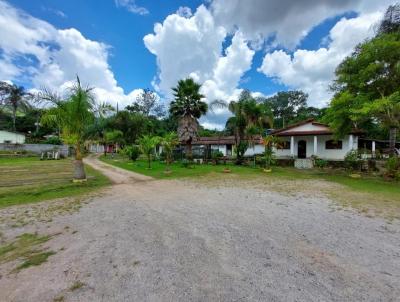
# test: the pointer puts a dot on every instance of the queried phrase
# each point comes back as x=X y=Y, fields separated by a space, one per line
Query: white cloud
x=287 y=20
x=35 y=51
x=191 y=46
x=131 y=6
x=313 y=70
x=185 y=47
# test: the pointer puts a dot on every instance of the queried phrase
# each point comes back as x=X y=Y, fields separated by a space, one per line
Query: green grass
x=177 y=170
x=26 y=248
x=35 y=260
x=27 y=180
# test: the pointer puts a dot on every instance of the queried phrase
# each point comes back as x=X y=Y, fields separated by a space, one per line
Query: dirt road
x=149 y=240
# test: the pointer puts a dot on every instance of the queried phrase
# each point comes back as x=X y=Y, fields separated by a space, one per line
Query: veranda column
x=292 y=146
x=315 y=145
x=373 y=149
x=350 y=142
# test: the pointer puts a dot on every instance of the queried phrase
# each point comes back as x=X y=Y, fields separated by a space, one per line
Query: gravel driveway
x=148 y=240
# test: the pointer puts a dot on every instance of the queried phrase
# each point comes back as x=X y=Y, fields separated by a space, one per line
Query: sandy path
x=149 y=240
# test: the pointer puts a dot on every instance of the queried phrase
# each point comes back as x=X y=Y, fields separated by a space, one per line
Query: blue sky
x=263 y=46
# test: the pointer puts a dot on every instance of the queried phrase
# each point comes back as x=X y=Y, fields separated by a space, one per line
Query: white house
x=7 y=137
x=301 y=140
x=310 y=138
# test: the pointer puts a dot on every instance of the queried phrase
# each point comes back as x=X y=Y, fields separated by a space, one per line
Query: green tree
x=73 y=115
x=250 y=119
x=169 y=142
x=286 y=105
x=14 y=98
x=367 y=86
x=148 y=104
x=187 y=107
x=147 y=144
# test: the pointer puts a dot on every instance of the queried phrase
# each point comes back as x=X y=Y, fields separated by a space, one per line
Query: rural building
x=7 y=137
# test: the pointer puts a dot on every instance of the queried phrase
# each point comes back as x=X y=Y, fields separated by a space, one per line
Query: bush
x=393 y=168
x=320 y=163
x=216 y=155
x=132 y=152
x=352 y=160
x=185 y=163
x=268 y=159
x=53 y=140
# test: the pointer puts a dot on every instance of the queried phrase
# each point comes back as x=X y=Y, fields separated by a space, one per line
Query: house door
x=302 y=149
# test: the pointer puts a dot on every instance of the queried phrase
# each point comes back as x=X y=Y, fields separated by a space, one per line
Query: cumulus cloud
x=131 y=6
x=287 y=21
x=191 y=46
x=313 y=70
x=185 y=46
x=34 y=51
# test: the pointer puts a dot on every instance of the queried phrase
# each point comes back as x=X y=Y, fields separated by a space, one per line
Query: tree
x=147 y=144
x=187 y=107
x=367 y=85
x=147 y=103
x=73 y=115
x=132 y=125
x=169 y=142
x=250 y=118
x=14 y=97
x=286 y=105
x=391 y=20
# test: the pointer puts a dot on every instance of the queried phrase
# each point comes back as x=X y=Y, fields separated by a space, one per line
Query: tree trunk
x=14 y=117
x=189 y=151
x=79 y=170
x=392 y=139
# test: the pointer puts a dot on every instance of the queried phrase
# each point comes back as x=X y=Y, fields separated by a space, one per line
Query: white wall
x=221 y=148
x=14 y=138
x=258 y=149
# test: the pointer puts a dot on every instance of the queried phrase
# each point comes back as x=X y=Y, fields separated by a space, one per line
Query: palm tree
x=188 y=107
x=169 y=142
x=250 y=118
x=73 y=115
x=147 y=145
x=14 y=97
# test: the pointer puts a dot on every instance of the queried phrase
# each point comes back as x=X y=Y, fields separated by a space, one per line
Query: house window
x=285 y=145
x=333 y=145
x=7 y=142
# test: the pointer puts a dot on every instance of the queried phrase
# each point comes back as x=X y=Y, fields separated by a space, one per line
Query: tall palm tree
x=14 y=97
x=73 y=115
x=188 y=107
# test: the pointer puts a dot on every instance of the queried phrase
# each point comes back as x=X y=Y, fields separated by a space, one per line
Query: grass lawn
x=370 y=192
x=27 y=179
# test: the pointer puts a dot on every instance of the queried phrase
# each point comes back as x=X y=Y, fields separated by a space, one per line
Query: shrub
x=185 y=163
x=132 y=152
x=352 y=160
x=53 y=140
x=320 y=163
x=393 y=168
x=216 y=155
x=268 y=159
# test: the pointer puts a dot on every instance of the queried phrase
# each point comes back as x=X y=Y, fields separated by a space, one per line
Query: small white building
x=7 y=137
x=310 y=138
